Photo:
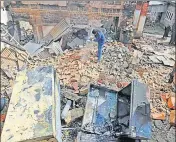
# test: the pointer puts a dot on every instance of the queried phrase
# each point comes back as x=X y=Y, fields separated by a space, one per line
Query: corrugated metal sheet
x=57 y=31
x=44 y=54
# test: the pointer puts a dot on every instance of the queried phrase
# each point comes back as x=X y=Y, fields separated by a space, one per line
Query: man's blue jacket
x=100 y=38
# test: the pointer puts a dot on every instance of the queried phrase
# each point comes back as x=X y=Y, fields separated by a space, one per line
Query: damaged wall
x=49 y=14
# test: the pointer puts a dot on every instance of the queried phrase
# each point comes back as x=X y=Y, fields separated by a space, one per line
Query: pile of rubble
x=119 y=65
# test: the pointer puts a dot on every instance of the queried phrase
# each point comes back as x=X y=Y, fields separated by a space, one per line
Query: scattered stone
x=125 y=64
x=119 y=56
x=122 y=84
x=165 y=97
x=160 y=138
x=171 y=135
x=159 y=124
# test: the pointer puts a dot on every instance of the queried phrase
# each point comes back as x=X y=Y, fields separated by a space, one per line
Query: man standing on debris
x=100 y=38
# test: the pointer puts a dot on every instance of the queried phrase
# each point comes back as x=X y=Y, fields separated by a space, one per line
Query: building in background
x=168 y=17
x=161 y=12
x=155 y=10
x=44 y=15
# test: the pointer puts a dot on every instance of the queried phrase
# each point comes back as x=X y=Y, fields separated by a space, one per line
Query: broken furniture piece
x=34 y=109
x=116 y=114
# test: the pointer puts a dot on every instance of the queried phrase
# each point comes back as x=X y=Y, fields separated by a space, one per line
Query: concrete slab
x=32 y=110
x=31 y=48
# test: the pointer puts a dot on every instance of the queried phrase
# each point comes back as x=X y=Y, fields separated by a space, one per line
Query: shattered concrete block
x=158 y=116
x=74 y=114
x=172 y=117
x=100 y=81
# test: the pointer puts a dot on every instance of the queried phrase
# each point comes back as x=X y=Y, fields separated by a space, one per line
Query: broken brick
x=158 y=116
x=119 y=85
x=73 y=80
x=165 y=97
x=100 y=82
x=171 y=103
x=3 y=116
x=172 y=117
x=122 y=84
x=75 y=85
x=75 y=57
